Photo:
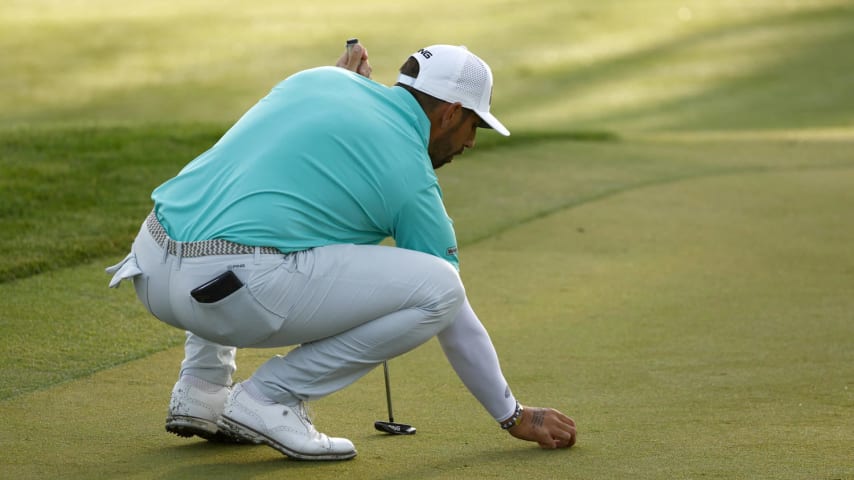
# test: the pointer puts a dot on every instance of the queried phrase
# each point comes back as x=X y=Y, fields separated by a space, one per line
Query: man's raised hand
x=355 y=59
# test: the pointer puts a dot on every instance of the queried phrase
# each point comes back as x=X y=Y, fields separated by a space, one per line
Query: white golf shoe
x=287 y=429
x=195 y=411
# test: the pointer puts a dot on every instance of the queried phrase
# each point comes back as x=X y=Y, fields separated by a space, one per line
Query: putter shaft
x=388 y=393
x=391 y=426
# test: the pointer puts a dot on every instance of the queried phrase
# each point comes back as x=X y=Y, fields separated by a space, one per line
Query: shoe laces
x=302 y=411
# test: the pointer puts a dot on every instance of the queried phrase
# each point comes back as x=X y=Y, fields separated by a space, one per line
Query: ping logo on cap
x=454 y=74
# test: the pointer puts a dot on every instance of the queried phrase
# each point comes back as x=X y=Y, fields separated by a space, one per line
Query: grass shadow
x=806 y=86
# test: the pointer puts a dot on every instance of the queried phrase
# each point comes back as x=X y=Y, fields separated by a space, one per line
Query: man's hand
x=546 y=426
x=355 y=59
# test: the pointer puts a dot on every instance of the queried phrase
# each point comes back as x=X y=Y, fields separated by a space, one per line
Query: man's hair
x=411 y=68
x=428 y=103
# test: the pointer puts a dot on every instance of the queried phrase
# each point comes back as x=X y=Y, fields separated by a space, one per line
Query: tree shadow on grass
x=806 y=85
x=803 y=81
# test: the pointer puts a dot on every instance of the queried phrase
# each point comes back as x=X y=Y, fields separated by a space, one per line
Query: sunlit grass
x=724 y=76
x=558 y=65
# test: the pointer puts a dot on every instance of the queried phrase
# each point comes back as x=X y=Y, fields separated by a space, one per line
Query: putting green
x=694 y=328
x=683 y=291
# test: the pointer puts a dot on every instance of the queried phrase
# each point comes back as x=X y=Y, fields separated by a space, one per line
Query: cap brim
x=489 y=121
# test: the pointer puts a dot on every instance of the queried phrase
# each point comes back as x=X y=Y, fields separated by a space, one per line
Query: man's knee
x=448 y=295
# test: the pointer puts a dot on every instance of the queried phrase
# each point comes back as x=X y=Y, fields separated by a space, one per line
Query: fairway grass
x=662 y=249
x=604 y=65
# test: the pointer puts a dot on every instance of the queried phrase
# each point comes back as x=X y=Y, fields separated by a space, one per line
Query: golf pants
x=347 y=307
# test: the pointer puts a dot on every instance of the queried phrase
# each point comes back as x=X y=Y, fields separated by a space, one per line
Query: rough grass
x=58 y=183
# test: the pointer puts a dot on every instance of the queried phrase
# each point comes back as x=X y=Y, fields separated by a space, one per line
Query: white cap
x=454 y=74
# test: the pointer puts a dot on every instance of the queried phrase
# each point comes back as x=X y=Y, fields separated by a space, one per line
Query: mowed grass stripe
x=692 y=329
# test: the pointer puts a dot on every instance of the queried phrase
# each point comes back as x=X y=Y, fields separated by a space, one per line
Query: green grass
x=688 y=337
x=559 y=65
x=661 y=249
x=57 y=184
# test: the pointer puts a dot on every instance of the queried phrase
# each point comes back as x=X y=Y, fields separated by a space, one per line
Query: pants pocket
x=237 y=320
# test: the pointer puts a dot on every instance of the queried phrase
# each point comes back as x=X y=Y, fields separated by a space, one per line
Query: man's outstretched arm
x=469 y=349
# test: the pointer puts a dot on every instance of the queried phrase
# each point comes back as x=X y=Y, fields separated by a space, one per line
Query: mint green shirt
x=327 y=157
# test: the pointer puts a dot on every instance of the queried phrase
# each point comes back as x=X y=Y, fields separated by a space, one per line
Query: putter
x=391 y=426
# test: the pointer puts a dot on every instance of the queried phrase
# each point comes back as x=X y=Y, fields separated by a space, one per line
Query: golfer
x=270 y=239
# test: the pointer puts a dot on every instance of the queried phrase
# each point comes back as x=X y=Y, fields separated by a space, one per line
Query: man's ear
x=450 y=114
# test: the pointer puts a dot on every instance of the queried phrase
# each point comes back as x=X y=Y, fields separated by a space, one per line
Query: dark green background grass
x=662 y=249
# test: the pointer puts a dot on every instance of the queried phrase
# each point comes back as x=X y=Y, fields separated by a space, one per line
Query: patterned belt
x=200 y=249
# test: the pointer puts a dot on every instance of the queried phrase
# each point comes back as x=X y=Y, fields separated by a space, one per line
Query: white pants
x=348 y=307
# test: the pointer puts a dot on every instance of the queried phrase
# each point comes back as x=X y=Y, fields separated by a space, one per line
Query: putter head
x=394 y=428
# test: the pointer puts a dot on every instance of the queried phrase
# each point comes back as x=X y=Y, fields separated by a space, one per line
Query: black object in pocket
x=217 y=289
